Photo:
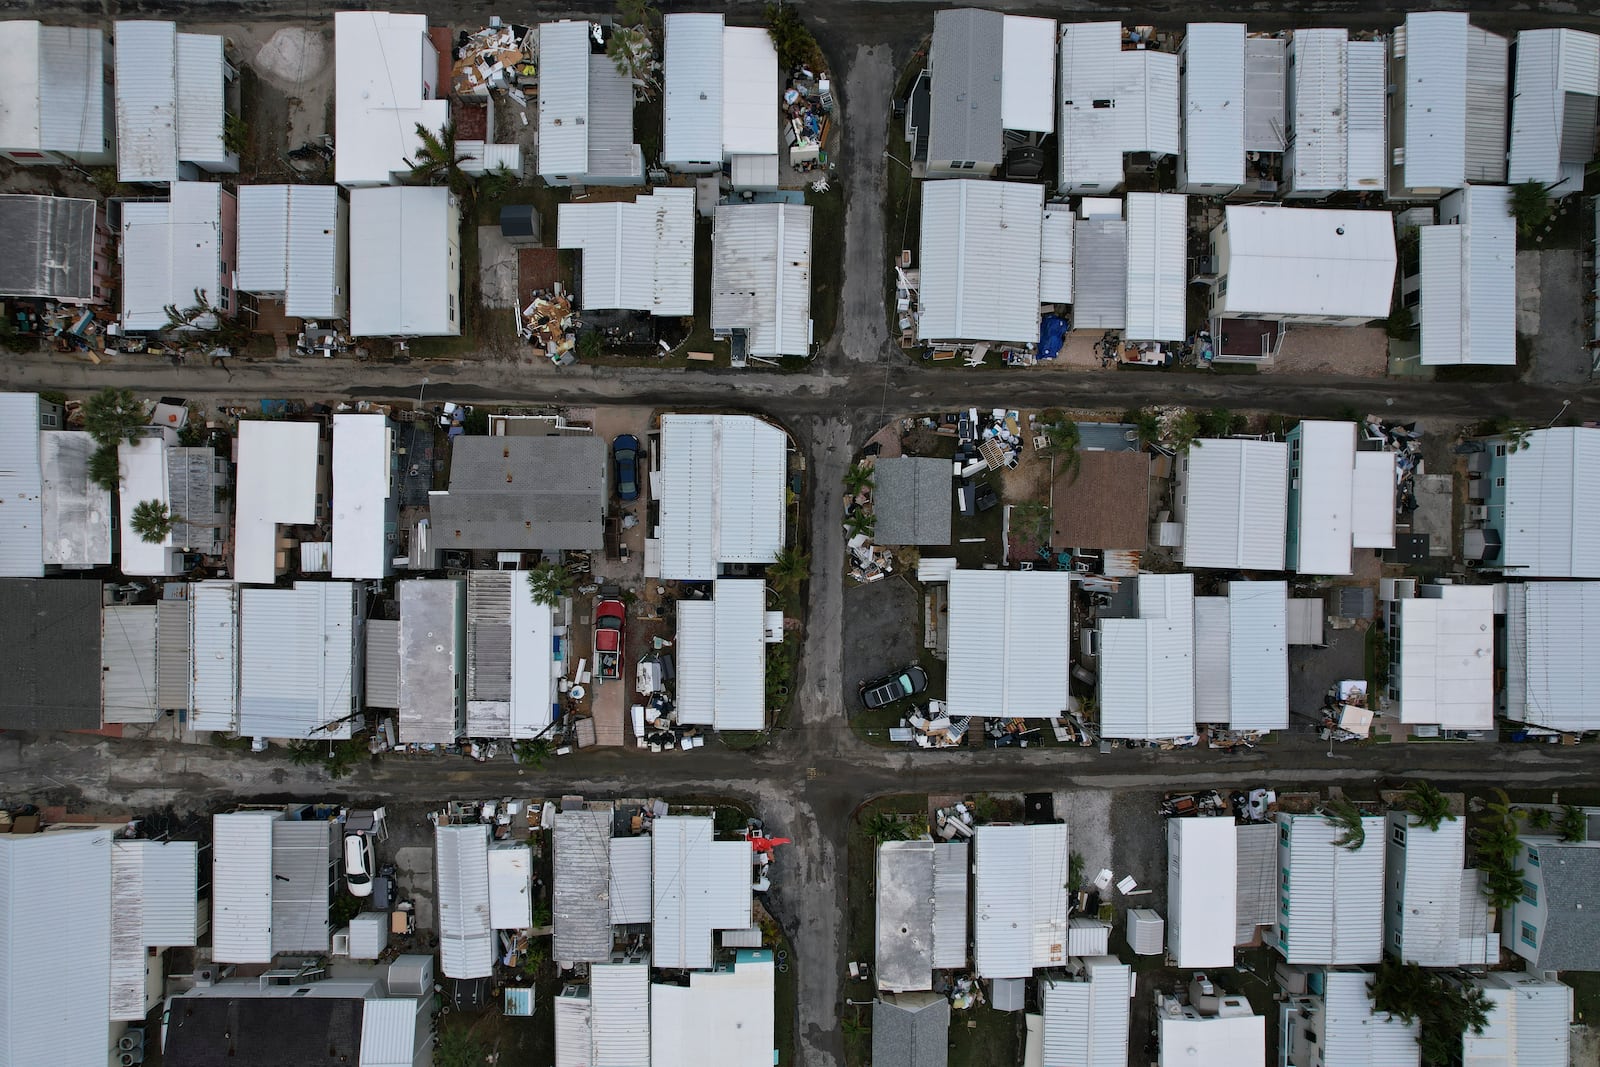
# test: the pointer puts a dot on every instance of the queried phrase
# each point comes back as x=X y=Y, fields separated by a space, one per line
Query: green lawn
x=827 y=260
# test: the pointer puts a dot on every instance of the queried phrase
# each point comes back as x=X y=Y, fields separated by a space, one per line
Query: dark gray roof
x=965 y=59
x=911 y=1030
x=49 y=243
x=302 y=854
x=610 y=120
x=50 y=673
x=263 y=1031
x=519 y=220
x=911 y=499
x=1570 y=940
x=521 y=493
x=1100 y=274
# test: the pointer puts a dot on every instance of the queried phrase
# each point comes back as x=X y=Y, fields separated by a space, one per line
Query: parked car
x=625 y=465
x=897 y=686
x=610 y=622
x=359 y=864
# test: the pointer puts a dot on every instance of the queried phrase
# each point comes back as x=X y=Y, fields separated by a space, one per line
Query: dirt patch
x=1359 y=351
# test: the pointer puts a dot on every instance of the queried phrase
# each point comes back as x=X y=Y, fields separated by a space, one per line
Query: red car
x=610 y=623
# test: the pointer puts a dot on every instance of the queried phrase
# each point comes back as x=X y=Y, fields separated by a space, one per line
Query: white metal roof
x=1354 y=1034
x=214 y=643
x=534 y=666
x=619 y=996
x=1158 y=266
x=1213 y=104
x=154 y=905
x=701 y=885
x=630 y=880
x=692 y=89
x=1202 y=868
x=980 y=261
x=563 y=98
x=147 y=101
x=1446 y=668
x=1469 y=280
x=1308 y=261
x=1552 y=504
x=722 y=657
x=241 y=886
x=1235 y=503
x=1266 y=86
x=761 y=276
x=1146 y=102
x=202 y=113
x=1055 y=255
x=461 y=878
x=1192 y=1040
x=722 y=1017
x=170 y=250
x=722 y=486
x=384 y=66
x=277 y=485
x=1488 y=102
x=1372 y=519
x=389 y=1032
x=363 y=482
x=1529 y=1023
x=1427 y=898
x=1147 y=684
x=574 y=1027
x=1090 y=147
x=1324 y=520
x=1434 y=47
x=21 y=488
x=1258 y=655
x=1335 y=896
x=76 y=511
x=1086 y=1021
x=510 y=887
x=53 y=81
x=1317 y=153
x=405 y=249
x=1552 y=669
x=1010 y=632
x=1365 y=101
x=749 y=92
x=1019 y=876
x=143 y=476
x=638 y=256
x=1553 y=65
x=128 y=664
x=55 y=927
x=297 y=654
x=1028 y=74
x=292 y=241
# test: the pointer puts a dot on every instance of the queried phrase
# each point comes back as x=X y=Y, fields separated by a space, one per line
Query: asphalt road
x=812 y=775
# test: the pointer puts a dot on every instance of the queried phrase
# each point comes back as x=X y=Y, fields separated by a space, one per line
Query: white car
x=359 y=864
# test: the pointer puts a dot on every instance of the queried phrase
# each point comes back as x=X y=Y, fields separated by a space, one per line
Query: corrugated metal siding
x=21 y=488
x=215 y=645
x=1427 y=895
x=563 y=99
x=488 y=636
x=1259 y=656
x=612 y=151
x=581 y=902
x=1442 y=256
x=55 y=924
x=1552 y=518
x=1354 y=1035
x=1551 y=64
x=1100 y=275
x=369 y=935
x=1316 y=155
x=147 y=101
x=461 y=876
x=630 y=880
x=1213 y=670
x=303 y=854
x=692 y=89
x=200 y=101
x=1552 y=668
x=1158 y=266
x=316 y=234
x=1257 y=866
x=388 y=1032
x=1366 y=97
x=241 y=886
x=950 y=861
x=1490 y=251
x=1146 y=105
x=1335 y=896
x=1487 y=103
x=619 y=240
x=1019 y=871
x=980 y=258
x=620 y=998
x=696 y=682
x=72 y=101
x=1009 y=635
x=1214 y=105
x=128 y=664
x=1086 y=1021
x=1235 y=510
x=741 y=652
x=1055 y=255
x=153 y=887
x=174 y=657
x=1147 y=687
x=1435 y=123
x=1265 y=93
x=297 y=657
x=1090 y=148
x=1088 y=937
x=383 y=663
x=701 y=885
x=966 y=60
x=761 y=276
x=574 y=1029
x=722 y=501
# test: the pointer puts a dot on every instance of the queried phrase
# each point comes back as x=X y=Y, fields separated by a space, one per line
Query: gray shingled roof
x=966 y=57
x=911 y=499
x=1570 y=940
x=522 y=493
x=911 y=1030
x=50 y=674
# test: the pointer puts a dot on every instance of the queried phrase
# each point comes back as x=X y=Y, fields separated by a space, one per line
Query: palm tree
x=437 y=162
x=1185 y=429
x=788 y=571
x=1531 y=206
x=881 y=827
x=633 y=53
x=152 y=520
x=1062 y=439
x=1573 y=825
x=858 y=479
x=112 y=416
x=1428 y=806
x=534 y=751
x=549 y=582
x=1146 y=423
x=1347 y=817
x=860 y=521
x=104 y=468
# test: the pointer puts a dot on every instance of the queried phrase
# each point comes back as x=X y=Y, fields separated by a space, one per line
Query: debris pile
x=548 y=323
x=953 y=822
x=807 y=112
x=497 y=57
x=869 y=562
x=932 y=728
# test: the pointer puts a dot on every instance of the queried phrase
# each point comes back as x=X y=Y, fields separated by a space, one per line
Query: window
x=1500 y=451
x=1396 y=940
x=1530 y=936
x=1499 y=483
x=1286 y=879
x=1400 y=836
x=1222 y=284
x=1283 y=905
x=1533 y=857
x=1530 y=892
x=1283 y=838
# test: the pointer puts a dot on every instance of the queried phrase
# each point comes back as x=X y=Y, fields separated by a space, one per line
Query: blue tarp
x=1052 y=335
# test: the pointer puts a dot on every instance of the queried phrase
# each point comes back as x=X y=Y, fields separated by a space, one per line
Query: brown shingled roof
x=1106 y=506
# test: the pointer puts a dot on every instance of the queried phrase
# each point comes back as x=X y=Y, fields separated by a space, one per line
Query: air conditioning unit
x=1478 y=513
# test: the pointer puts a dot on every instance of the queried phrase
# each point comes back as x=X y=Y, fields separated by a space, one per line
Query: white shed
x=1147 y=683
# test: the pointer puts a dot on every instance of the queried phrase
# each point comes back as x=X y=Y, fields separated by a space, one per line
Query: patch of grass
x=742 y=739
x=901 y=230
x=1234 y=368
x=983 y=1037
x=984 y=524
x=788 y=1002
x=827 y=259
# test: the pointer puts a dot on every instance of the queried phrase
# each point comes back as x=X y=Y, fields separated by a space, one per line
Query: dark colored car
x=625 y=465
x=897 y=686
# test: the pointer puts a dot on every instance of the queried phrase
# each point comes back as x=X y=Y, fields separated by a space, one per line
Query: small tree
x=437 y=162
x=1185 y=429
x=1031 y=520
x=882 y=827
x=788 y=571
x=1063 y=439
x=112 y=416
x=1146 y=424
x=1573 y=825
x=792 y=40
x=534 y=751
x=632 y=52
x=1347 y=817
x=152 y=520
x=1428 y=806
x=1531 y=206
x=548 y=583
x=858 y=479
x=860 y=521
x=457 y=1047
x=105 y=470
